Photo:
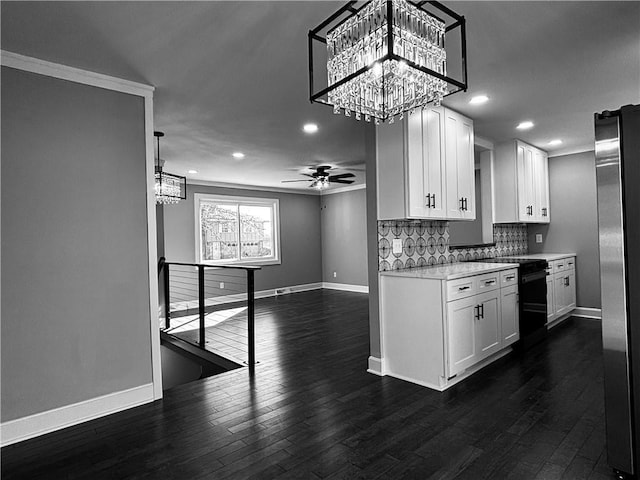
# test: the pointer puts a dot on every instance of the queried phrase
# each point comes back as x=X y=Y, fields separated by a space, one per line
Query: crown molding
x=350 y=188
x=72 y=74
x=260 y=188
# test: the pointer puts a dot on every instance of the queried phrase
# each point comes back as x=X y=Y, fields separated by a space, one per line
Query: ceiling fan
x=321 y=179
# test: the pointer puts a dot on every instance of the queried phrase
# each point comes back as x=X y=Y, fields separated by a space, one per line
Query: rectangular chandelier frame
x=169 y=188
x=454 y=23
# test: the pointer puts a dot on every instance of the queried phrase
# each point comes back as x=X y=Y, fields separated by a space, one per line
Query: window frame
x=273 y=203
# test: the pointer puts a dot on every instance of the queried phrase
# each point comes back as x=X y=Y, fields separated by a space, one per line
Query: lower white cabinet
x=474 y=330
x=561 y=288
x=551 y=301
x=436 y=331
x=510 y=316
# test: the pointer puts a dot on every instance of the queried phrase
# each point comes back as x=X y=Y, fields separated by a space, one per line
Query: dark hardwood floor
x=312 y=411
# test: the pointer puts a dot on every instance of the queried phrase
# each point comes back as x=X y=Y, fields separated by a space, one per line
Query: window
x=237 y=230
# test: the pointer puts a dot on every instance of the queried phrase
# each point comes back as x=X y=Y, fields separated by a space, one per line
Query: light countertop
x=549 y=257
x=450 y=271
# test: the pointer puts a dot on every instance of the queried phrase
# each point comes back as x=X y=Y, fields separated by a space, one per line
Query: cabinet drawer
x=570 y=263
x=509 y=277
x=558 y=265
x=488 y=282
x=461 y=288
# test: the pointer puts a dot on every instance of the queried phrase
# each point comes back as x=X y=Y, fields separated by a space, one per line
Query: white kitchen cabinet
x=550 y=297
x=488 y=323
x=425 y=166
x=563 y=275
x=459 y=166
x=436 y=330
x=521 y=183
x=510 y=317
x=461 y=334
x=425 y=195
x=473 y=330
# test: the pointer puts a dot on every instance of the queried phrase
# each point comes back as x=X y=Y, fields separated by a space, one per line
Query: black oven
x=532 y=291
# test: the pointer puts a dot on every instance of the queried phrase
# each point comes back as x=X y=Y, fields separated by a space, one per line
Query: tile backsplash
x=426 y=242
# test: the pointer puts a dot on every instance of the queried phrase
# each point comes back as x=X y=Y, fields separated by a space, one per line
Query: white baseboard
x=32 y=426
x=586 y=312
x=346 y=287
x=241 y=297
x=375 y=366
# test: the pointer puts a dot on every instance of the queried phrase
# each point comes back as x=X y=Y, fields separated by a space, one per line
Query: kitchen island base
x=440 y=325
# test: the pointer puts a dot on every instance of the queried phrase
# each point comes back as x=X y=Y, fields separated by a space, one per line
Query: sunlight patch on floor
x=191 y=322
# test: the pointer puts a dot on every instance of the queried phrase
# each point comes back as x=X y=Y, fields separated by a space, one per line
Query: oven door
x=533 y=307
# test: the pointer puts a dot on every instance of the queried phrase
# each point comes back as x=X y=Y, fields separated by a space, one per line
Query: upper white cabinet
x=425 y=166
x=459 y=166
x=521 y=183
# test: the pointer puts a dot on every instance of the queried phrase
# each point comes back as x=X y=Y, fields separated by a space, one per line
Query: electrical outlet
x=335 y=274
x=397 y=245
x=221 y=284
x=538 y=238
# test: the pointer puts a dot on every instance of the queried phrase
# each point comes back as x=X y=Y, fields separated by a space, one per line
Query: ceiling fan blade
x=289 y=181
x=342 y=181
x=340 y=176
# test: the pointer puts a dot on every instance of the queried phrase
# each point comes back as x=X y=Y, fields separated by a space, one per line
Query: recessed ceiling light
x=238 y=155
x=479 y=99
x=310 y=128
x=555 y=142
x=192 y=171
x=525 y=125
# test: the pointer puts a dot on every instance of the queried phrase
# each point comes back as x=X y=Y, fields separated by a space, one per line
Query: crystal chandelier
x=169 y=188
x=385 y=58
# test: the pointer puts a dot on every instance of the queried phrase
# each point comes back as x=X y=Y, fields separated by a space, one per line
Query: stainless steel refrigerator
x=617 y=148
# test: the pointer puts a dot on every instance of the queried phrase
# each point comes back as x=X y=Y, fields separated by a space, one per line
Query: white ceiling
x=232 y=76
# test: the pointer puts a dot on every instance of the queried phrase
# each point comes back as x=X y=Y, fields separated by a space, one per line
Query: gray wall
x=574 y=221
x=465 y=232
x=75 y=298
x=344 y=237
x=300 y=238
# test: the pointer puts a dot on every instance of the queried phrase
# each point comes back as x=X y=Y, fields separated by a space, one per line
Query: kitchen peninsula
x=440 y=324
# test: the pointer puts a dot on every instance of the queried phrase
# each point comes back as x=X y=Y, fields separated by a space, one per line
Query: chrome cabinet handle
x=490 y=282
x=481 y=310
x=433 y=196
x=428 y=204
x=462 y=289
x=511 y=277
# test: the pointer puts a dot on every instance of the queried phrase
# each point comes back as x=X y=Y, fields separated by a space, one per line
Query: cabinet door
x=570 y=290
x=425 y=164
x=434 y=158
x=417 y=200
x=461 y=337
x=541 y=187
x=487 y=325
x=459 y=161
x=510 y=315
x=559 y=293
x=551 y=305
x=525 y=174
x=466 y=167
